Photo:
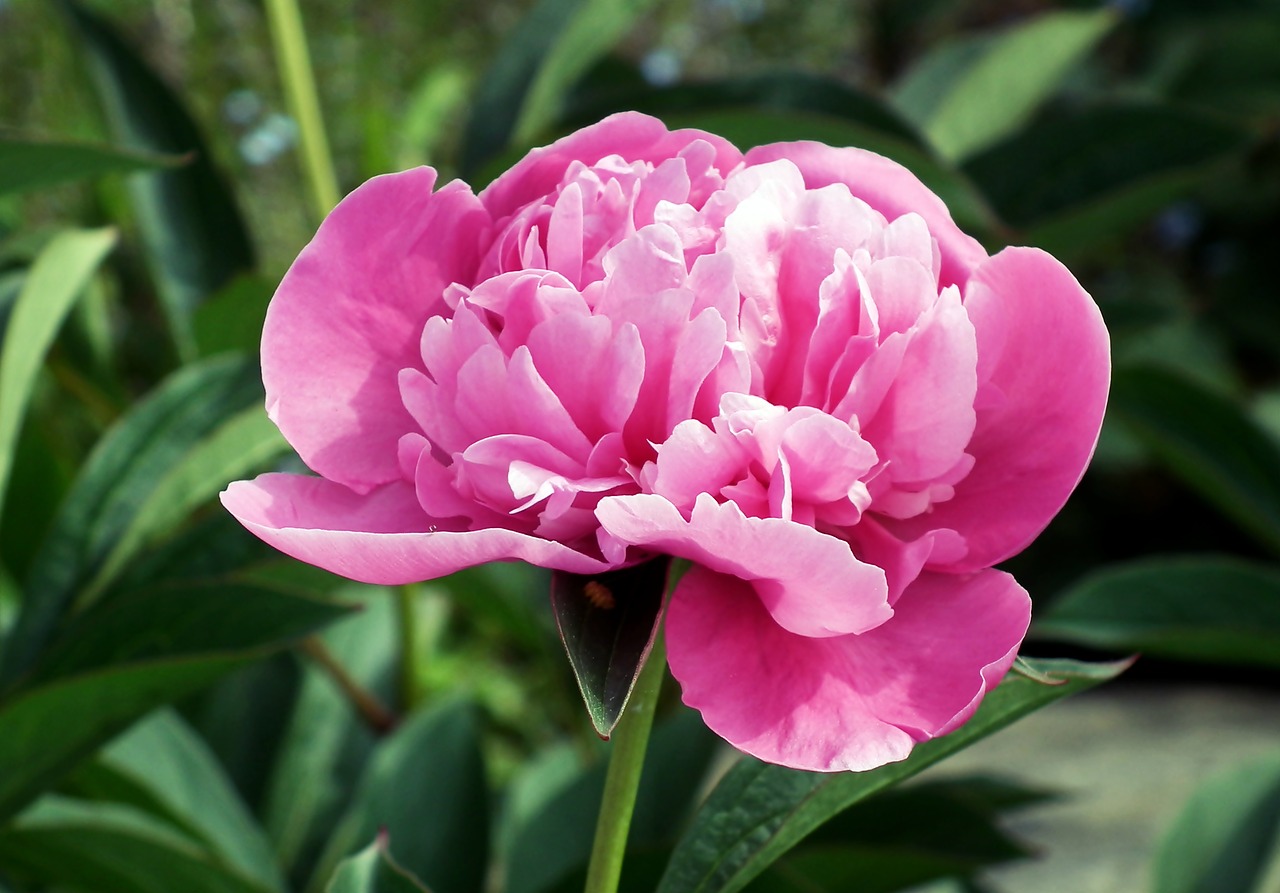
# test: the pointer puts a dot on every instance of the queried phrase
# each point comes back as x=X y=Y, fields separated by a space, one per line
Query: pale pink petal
x=1043 y=352
x=349 y=314
x=886 y=186
x=849 y=702
x=810 y=582
x=380 y=537
x=631 y=135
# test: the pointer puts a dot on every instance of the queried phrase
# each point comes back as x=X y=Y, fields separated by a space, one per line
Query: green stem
x=294 y=64
x=630 y=739
x=410 y=646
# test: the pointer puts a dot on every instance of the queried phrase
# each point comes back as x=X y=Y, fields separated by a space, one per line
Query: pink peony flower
x=789 y=367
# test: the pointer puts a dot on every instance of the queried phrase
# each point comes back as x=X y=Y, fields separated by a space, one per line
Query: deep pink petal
x=380 y=537
x=633 y=136
x=810 y=582
x=886 y=186
x=1043 y=368
x=850 y=702
x=349 y=314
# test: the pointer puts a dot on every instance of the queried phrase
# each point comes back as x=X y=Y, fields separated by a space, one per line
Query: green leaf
x=109 y=848
x=425 y=786
x=372 y=870
x=326 y=742
x=1083 y=176
x=1208 y=441
x=594 y=29
x=758 y=812
x=505 y=85
x=195 y=238
x=988 y=90
x=232 y=318
x=58 y=276
x=608 y=623
x=1224 y=838
x=1205 y=608
x=28 y=162
x=552 y=809
x=165 y=756
x=38 y=741
x=128 y=464
x=184 y=617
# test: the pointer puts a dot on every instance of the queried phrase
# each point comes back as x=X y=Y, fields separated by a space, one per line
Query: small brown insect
x=599 y=595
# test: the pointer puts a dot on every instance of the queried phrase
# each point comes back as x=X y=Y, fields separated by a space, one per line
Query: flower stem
x=371 y=710
x=294 y=65
x=630 y=740
x=410 y=646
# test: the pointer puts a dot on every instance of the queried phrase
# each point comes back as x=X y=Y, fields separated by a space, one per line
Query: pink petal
x=1043 y=355
x=810 y=582
x=349 y=314
x=886 y=186
x=380 y=537
x=633 y=136
x=849 y=702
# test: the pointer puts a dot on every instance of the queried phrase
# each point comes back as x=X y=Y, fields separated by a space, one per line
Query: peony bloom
x=789 y=367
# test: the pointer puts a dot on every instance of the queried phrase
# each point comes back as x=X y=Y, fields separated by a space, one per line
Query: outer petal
x=349 y=314
x=886 y=186
x=382 y=537
x=1043 y=372
x=845 y=703
x=810 y=582
x=633 y=136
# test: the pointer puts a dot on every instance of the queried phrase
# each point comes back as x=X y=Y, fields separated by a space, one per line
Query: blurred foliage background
x=150 y=198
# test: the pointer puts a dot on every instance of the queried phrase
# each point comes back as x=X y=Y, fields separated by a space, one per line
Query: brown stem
x=371 y=710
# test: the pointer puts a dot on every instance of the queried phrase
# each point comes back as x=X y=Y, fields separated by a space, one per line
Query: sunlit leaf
x=758 y=812
x=57 y=278
x=372 y=870
x=984 y=94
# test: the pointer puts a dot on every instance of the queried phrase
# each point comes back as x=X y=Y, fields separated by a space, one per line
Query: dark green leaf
x=1208 y=441
x=195 y=238
x=758 y=812
x=1207 y=608
x=109 y=848
x=608 y=623
x=183 y=618
x=28 y=162
x=555 y=807
x=124 y=469
x=373 y=871
x=1224 y=838
x=55 y=280
x=990 y=90
x=1082 y=176
x=232 y=318
x=425 y=787
x=495 y=110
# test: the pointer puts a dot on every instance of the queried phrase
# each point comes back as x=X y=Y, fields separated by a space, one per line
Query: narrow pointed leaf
x=758 y=812
x=988 y=93
x=1224 y=838
x=195 y=237
x=608 y=623
x=125 y=467
x=29 y=162
x=1207 y=441
x=1207 y=608
x=372 y=870
x=58 y=276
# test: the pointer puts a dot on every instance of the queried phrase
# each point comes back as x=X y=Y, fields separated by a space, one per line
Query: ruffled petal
x=810 y=583
x=382 y=536
x=886 y=186
x=349 y=314
x=849 y=702
x=1043 y=372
